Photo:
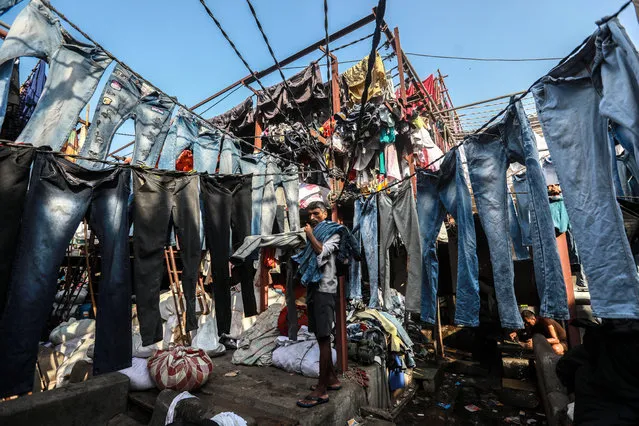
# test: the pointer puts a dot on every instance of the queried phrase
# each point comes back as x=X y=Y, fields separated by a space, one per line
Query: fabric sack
x=180 y=368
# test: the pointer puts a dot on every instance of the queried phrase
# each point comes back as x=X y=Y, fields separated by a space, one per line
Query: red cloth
x=282 y=323
x=184 y=162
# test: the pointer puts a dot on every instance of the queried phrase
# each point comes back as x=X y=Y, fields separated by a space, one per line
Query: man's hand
x=308 y=230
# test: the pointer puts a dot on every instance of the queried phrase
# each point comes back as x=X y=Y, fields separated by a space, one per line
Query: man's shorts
x=321 y=311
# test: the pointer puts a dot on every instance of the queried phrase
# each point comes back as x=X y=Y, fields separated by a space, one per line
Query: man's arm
x=553 y=340
x=315 y=243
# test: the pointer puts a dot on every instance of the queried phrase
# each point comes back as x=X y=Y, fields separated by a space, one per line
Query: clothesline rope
x=4 y=142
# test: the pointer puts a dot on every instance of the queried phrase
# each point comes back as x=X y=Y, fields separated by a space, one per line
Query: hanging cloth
x=356 y=76
x=31 y=90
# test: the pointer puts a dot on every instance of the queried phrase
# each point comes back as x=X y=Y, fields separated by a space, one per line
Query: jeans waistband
x=53 y=165
x=22 y=155
x=229 y=183
x=167 y=180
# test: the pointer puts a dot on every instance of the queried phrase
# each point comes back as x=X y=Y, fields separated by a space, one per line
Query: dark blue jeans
x=520 y=185
x=516 y=232
x=577 y=101
x=61 y=194
x=489 y=155
x=365 y=230
x=438 y=193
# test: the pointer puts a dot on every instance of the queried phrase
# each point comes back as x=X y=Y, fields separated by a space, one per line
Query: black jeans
x=160 y=200
x=15 y=166
x=227 y=214
x=60 y=195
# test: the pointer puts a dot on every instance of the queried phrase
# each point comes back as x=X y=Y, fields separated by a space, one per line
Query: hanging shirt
x=559 y=213
x=327 y=266
x=355 y=78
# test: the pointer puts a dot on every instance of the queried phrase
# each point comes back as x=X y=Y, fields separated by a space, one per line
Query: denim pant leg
x=256 y=165
x=63 y=98
x=548 y=271
x=370 y=242
x=521 y=252
x=182 y=134
x=15 y=168
x=151 y=218
x=355 y=270
x=387 y=234
x=152 y=121
x=407 y=223
x=456 y=199
x=269 y=202
x=53 y=210
x=431 y=214
x=7 y=4
x=230 y=156
x=487 y=164
x=291 y=184
x=186 y=219
x=206 y=150
x=620 y=84
x=35 y=32
x=570 y=115
x=108 y=218
x=520 y=185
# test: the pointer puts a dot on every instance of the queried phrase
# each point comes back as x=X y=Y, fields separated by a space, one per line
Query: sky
x=181 y=51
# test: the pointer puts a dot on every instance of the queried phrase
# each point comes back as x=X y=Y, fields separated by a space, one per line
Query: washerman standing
x=328 y=244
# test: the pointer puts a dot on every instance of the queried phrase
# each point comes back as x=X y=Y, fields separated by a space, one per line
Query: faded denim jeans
x=230 y=156
x=74 y=73
x=398 y=217
x=516 y=234
x=267 y=177
x=60 y=195
x=438 y=193
x=489 y=155
x=187 y=132
x=577 y=101
x=520 y=185
x=365 y=231
x=126 y=96
x=7 y=4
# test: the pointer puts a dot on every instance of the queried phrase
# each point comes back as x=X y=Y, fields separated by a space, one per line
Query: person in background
x=547 y=327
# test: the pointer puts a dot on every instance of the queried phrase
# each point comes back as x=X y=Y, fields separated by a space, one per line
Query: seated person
x=547 y=327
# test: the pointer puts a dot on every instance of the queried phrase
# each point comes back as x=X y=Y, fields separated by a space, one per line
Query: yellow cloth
x=356 y=76
x=396 y=343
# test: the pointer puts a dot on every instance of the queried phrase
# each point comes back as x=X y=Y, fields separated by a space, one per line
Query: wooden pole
x=341 y=343
x=574 y=338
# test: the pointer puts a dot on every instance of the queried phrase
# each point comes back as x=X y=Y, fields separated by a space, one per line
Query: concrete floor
x=269 y=395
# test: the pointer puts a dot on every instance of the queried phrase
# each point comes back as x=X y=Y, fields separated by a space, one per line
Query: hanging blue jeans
x=126 y=96
x=520 y=185
x=61 y=193
x=365 y=230
x=576 y=102
x=438 y=193
x=489 y=155
x=186 y=132
x=74 y=73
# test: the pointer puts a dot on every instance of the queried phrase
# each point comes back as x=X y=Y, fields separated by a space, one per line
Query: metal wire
x=366 y=37
x=465 y=58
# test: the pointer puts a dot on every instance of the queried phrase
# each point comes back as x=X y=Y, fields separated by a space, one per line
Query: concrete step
x=123 y=420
